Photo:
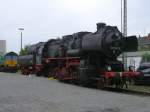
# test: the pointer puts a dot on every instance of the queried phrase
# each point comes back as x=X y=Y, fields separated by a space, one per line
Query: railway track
x=132 y=89
x=128 y=91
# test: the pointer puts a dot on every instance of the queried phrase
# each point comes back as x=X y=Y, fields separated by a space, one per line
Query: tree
x=24 y=51
x=146 y=57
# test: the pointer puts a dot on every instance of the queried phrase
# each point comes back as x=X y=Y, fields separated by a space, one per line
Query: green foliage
x=144 y=48
x=1 y=59
x=146 y=57
x=24 y=50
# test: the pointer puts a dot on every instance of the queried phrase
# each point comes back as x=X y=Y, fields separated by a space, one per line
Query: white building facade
x=134 y=58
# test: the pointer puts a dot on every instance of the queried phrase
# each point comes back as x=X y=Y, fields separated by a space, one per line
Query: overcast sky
x=45 y=19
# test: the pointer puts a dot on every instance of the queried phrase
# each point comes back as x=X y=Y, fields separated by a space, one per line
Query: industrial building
x=144 y=43
x=2 y=47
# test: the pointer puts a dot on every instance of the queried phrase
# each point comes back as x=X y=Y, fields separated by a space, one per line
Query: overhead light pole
x=124 y=27
x=21 y=30
x=121 y=16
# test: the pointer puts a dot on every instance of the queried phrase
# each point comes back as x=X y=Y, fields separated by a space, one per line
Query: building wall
x=2 y=47
x=134 y=58
x=133 y=61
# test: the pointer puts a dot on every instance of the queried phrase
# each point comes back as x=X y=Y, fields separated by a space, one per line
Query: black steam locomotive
x=83 y=57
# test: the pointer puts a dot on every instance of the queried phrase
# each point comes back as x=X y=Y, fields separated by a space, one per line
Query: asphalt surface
x=36 y=94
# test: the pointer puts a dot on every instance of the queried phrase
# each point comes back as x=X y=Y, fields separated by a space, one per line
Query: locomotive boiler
x=107 y=41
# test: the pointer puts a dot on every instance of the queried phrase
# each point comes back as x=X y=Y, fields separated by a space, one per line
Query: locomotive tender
x=83 y=57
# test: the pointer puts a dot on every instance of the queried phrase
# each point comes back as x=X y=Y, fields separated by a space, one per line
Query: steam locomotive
x=83 y=57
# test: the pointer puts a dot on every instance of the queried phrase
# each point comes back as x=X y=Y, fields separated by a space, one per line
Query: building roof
x=143 y=41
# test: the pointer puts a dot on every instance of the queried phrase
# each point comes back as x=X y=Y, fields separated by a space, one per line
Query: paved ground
x=32 y=94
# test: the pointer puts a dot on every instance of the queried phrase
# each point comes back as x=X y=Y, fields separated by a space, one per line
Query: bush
x=146 y=57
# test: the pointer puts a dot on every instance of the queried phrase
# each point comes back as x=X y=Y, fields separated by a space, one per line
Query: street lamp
x=21 y=29
x=124 y=27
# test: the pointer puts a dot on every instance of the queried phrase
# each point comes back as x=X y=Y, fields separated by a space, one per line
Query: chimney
x=100 y=25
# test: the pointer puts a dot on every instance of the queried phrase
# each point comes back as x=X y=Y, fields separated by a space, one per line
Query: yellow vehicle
x=10 y=62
